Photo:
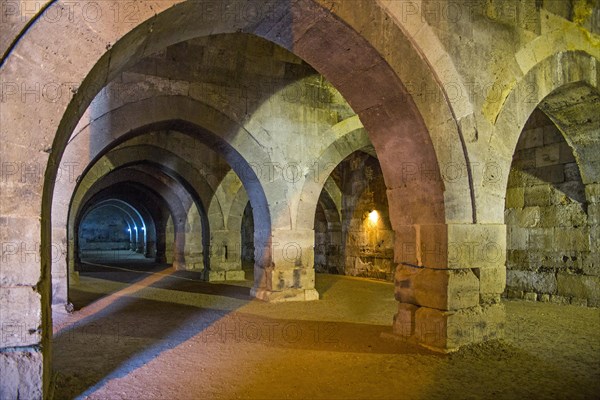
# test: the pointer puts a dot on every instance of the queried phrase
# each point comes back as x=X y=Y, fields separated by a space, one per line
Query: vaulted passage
x=235 y=198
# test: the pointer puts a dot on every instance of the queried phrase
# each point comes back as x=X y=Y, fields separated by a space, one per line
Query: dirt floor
x=150 y=333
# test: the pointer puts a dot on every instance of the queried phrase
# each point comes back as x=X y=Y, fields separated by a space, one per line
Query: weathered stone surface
x=579 y=286
x=552 y=234
x=530 y=281
x=21 y=316
x=434 y=288
x=404 y=320
x=396 y=72
x=515 y=197
x=492 y=280
x=446 y=331
x=21 y=374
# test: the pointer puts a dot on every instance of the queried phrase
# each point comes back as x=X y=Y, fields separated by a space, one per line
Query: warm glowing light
x=374 y=216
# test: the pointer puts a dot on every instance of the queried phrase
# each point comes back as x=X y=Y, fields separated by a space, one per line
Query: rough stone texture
x=551 y=216
x=404 y=320
x=21 y=316
x=21 y=374
x=446 y=331
x=421 y=286
x=351 y=240
x=443 y=101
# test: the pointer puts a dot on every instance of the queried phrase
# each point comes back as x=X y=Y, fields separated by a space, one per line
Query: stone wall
x=364 y=246
x=104 y=230
x=550 y=221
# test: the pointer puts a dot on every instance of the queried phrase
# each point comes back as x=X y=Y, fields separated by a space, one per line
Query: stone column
x=448 y=282
x=284 y=267
x=225 y=256
x=24 y=309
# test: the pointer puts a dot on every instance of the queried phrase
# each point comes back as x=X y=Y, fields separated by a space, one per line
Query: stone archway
x=396 y=131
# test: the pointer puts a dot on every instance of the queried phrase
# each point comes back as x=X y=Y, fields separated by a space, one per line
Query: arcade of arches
x=450 y=148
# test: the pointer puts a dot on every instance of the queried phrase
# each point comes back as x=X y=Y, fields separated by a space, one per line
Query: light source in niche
x=373 y=216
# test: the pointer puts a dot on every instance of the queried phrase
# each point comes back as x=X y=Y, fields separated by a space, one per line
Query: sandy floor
x=167 y=335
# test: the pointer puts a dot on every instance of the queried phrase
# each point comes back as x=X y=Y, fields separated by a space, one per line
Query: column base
x=21 y=373
x=284 y=295
x=447 y=331
x=179 y=266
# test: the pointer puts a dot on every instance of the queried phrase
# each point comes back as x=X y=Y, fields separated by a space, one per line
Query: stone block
x=518 y=238
x=293 y=248
x=476 y=245
x=594 y=214
x=579 y=286
x=557 y=299
x=235 y=275
x=21 y=316
x=435 y=288
x=568 y=191
x=530 y=296
x=547 y=155
x=433 y=245
x=215 y=276
x=565 y=153
x=514 y=294
x=541 y=238
x=551 y=173
x=20 y=251
x=592 y=192
x=515 y=197
x=576 y=301
x=590 y=263
x=284 y=295
x=446 y=331
x=21 y=374
x=404 y=320
x=552 y=135
x=531 y=281
x=532 y=138
x=577 y=239
x=528 y=217
x=492 y=280
x=538 y=195
x=571 y=172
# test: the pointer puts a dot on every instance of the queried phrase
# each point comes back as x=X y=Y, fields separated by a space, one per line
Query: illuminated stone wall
x=549 y=221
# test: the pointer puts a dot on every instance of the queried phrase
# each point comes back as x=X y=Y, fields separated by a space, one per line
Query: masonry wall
x=364 y=246
x=550 y=221
x=103 y=231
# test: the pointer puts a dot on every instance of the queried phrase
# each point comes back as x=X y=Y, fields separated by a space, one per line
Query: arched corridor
x=409 y=166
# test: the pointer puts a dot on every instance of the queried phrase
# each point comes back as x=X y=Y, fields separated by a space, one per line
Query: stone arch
x=328 y=237
x=565 y=68
x=222 y=201
x=351 y=137
x=225 y=216
x=155 y=211
x=137 y=228
x=391 y=117
x=177 y=203
x=169 y=163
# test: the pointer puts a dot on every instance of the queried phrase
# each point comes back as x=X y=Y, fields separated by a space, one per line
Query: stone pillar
x=179 y=251
x=150 y=250
x=194 y=252
x=284 y=267
x=225 y=257
x=24 y=310
x=448 y=282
